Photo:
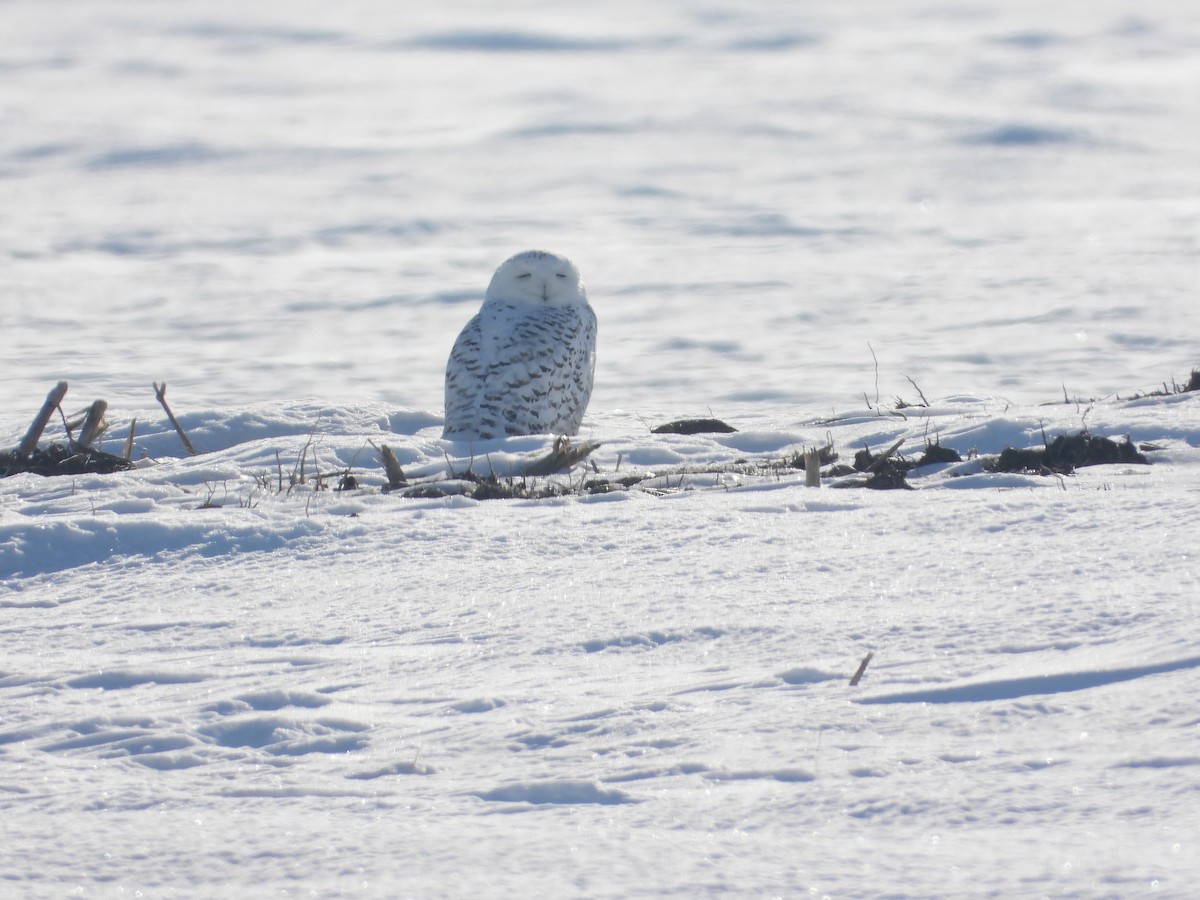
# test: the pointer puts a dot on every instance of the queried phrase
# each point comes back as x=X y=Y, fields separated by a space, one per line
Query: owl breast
x=519 y=368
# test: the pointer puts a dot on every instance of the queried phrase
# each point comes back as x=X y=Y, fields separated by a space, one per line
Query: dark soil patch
x=936 y=453
x=694 y=426
x=57 y=459
x=1066 y=453
x=889 y=474
x=608 y=485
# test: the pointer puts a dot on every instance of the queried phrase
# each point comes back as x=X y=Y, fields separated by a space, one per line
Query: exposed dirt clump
x=1066 y=453
x=694 y=426
x=57 y=459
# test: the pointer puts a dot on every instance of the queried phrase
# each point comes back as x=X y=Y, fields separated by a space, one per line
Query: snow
x=217 y=682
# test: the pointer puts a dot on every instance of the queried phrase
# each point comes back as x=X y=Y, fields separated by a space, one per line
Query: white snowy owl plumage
x=524 y=363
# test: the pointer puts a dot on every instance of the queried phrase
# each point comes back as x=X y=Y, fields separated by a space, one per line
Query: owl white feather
x=525 y=362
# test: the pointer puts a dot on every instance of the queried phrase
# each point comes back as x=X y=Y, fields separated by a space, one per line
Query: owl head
x=538 y=277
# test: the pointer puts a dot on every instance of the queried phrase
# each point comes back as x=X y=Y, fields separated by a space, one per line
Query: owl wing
x=465 y=371
x=578 y=372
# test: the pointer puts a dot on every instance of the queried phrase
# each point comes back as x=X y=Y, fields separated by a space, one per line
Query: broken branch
x=93 y=424
x=34 y=434
x=883 y=457
x=862 y=667
x=391 y=465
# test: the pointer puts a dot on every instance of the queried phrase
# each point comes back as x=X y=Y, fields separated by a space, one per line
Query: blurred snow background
x=287 y=211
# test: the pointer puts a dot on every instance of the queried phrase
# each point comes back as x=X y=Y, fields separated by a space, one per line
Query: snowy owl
x=524 y=363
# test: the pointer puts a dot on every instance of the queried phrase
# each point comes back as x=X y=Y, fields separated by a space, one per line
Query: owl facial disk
x=539 y=277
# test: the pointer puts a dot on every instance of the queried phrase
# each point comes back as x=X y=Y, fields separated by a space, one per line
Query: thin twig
x=160 y=391
x=129 y=440
x=920 y=393
x=874 y=357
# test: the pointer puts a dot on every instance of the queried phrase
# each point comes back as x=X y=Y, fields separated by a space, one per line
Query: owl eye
x=560 y=275
x=525 y=275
